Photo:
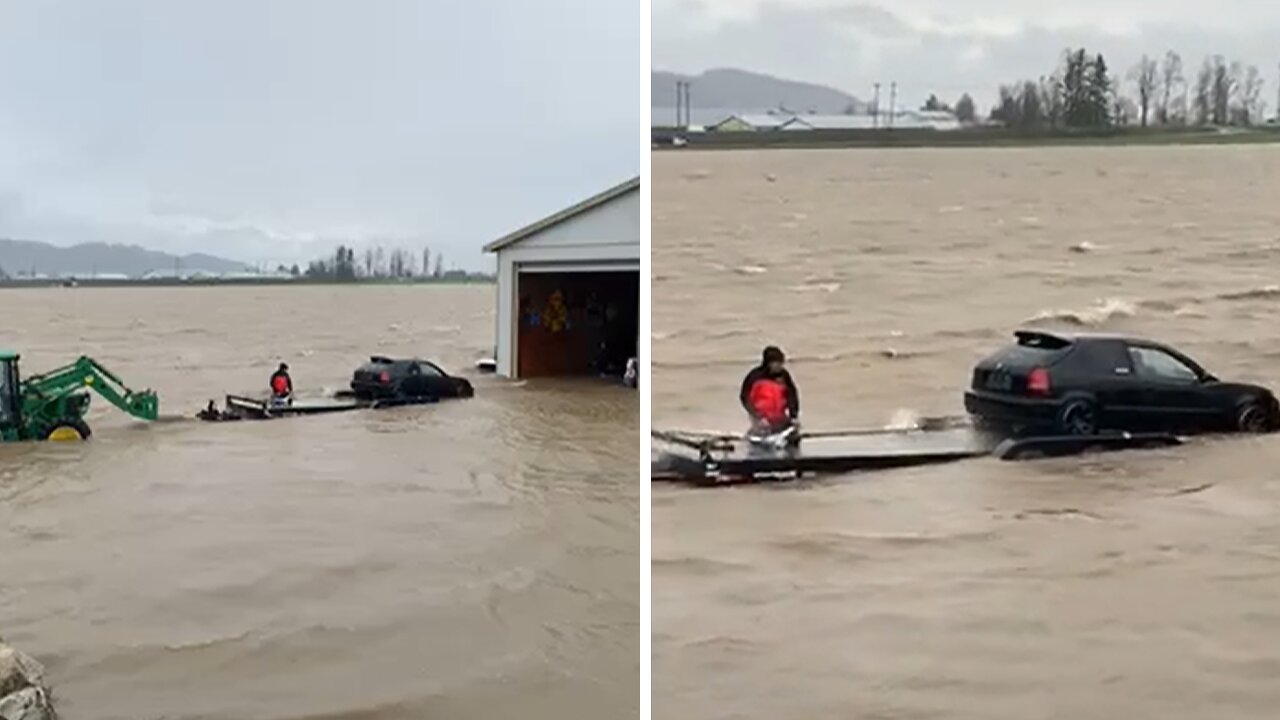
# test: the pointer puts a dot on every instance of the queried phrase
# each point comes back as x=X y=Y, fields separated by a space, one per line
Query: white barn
x=569 y=289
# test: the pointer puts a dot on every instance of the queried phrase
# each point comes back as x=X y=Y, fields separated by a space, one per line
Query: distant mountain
x=25 y=257
x=748 y=91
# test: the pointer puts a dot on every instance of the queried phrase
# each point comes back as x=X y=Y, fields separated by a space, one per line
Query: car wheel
x=1252 y=417
x=1078 y=417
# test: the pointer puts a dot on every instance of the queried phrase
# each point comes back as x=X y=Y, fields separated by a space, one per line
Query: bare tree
x=1204 y=94
x=1032 y=108
x=1223 y=89
x=1051 y=99
x=368 y=262
x=933 y=103
x=1123 y=109
x=1248 y=101
x=1170 y=79
x=1145 y=76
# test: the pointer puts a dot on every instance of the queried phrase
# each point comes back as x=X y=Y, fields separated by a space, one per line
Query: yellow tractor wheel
x=68 y=431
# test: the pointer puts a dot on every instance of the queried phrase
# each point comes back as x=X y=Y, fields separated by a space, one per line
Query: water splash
x=1102 y=312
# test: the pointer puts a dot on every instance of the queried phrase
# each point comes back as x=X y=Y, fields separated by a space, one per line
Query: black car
x=383 y=378
x=1085 y=384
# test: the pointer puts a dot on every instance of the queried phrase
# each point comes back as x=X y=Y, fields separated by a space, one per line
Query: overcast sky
x=272 y=130
x=953 y=46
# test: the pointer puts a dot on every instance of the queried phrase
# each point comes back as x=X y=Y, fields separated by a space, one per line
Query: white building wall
x=606 y=235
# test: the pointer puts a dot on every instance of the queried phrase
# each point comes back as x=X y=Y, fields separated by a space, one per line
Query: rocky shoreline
x=23 y=693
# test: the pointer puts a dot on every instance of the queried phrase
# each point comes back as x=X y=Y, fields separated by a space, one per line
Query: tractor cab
x=9 y=393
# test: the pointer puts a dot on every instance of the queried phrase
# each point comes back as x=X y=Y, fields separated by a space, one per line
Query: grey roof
x=704 y=117
x=902 y=119
x=759 y=120
x=834 y=122
x=568 y=213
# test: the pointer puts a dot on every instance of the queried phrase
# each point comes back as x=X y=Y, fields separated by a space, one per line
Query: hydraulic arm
x=41 y=391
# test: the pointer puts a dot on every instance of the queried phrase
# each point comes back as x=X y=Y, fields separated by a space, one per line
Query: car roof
x=8 y=354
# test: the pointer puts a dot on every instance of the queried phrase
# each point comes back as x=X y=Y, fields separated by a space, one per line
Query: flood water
x=471 y=559
x=1122 y=585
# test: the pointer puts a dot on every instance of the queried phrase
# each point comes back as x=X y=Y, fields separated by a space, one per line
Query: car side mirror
x=1208 y=378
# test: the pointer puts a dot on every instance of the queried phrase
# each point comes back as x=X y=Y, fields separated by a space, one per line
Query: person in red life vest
x=281 y=386
x=769 y=396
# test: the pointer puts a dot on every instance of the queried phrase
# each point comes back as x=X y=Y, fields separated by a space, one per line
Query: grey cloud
x=445 y=123
x=853 y=46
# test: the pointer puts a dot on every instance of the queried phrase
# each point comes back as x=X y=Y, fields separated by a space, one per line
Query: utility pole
x=688 y=105
x=893 y=101
x=875 y=108
x=684 y=116
x=679 y=102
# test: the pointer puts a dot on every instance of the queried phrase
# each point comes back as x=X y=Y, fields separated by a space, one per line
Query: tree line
x=376 y=262
x=1082 y=93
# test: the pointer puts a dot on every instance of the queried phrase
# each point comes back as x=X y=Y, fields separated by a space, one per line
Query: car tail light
x=385 y=377
x=1038 y=382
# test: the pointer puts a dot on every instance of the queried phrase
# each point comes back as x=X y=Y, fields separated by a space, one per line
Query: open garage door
x=582 y=320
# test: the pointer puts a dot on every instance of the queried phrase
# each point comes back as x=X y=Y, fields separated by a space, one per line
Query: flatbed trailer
x=239 y=407
x=719 y=459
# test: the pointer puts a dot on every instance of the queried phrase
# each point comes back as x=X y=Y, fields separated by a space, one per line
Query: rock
x=27 y=704
x=23 y=693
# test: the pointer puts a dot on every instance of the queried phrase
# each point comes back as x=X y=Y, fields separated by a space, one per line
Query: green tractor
x=52 y=406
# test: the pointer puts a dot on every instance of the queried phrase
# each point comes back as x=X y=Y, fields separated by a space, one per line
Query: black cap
x=773 y=354
x=284 y=366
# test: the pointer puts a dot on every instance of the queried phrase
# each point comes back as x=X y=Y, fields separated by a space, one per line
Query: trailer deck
x=718 y=459
x=238 y=407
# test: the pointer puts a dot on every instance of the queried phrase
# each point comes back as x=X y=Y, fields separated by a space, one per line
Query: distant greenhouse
x=902 y=119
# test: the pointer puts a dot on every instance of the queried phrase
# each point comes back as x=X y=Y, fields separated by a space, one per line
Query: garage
x=569 y=289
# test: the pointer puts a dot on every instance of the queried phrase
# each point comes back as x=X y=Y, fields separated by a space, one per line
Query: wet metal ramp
x=708 y=459
x=237 y=407
x=717 y=459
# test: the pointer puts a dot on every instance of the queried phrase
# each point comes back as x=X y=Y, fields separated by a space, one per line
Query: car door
x=413 y=384
x=1172 y=397
x=1110 y=377
x=435 y=381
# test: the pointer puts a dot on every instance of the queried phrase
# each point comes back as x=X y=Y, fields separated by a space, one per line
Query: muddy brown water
x=1123 y=585
x=471 y=559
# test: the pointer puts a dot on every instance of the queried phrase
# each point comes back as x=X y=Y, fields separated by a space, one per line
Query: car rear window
x=1108 y=357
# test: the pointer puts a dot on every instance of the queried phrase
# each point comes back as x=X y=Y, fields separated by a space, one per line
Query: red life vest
x=280 y=385
x=769 y=398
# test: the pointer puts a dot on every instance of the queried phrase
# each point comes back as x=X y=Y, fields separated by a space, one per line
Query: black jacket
x=760 y=372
